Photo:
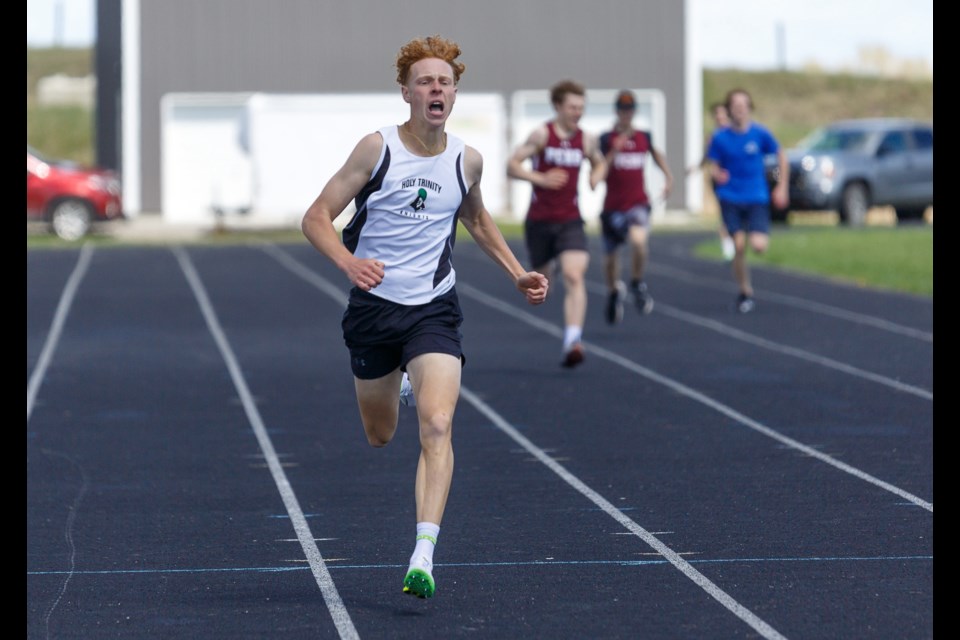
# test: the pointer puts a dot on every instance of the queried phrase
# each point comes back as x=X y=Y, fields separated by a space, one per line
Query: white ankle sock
x=422 y=557
x=571 y=335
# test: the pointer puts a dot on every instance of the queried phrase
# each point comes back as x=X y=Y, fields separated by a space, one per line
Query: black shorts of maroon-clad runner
x=383 y=335
x=547 y=240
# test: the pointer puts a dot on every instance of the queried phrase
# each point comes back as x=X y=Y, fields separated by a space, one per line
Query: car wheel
x=70 y=219
x=910 y=214
x=854 y=204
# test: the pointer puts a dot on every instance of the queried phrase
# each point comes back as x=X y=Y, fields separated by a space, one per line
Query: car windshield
x=835 y=140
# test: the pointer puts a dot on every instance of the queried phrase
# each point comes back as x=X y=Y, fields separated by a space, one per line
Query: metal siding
x=327 y=46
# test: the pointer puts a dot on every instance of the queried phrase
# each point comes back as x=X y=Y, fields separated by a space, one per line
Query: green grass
x=63 y=132
x=893 y=258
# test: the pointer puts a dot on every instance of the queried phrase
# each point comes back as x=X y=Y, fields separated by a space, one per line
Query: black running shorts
x=615 y=225
x=383 y=335
x=547 y=240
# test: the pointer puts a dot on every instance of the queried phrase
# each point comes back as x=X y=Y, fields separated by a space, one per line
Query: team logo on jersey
x=630 y=160
x=563 y=156
x=420 y=202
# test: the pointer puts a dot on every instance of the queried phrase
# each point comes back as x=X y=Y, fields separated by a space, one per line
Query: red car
x=70 y=198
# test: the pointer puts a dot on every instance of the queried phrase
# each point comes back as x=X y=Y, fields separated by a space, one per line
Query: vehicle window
x=835 y=140
x=923 y=138
x=893 y=142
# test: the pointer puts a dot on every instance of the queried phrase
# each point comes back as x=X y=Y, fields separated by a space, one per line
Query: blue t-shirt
x=742 y=154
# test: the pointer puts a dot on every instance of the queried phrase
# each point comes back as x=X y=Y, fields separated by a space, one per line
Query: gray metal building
x=349 y=46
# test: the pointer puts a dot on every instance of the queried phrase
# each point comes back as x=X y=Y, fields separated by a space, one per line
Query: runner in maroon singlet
x=553 y=228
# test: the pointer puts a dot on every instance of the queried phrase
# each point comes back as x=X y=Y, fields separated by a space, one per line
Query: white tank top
x=407 y=218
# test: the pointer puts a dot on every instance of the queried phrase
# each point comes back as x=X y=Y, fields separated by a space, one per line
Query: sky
x=766 y=34
x=773 y=33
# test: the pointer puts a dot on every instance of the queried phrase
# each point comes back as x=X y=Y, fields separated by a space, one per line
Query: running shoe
x=419 y=582
x=573 y=356
x=407 y=398
x=744 y=303
x=642 y=297
x=614 y=311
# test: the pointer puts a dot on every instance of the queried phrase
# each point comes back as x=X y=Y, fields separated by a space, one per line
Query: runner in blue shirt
x=736 y=155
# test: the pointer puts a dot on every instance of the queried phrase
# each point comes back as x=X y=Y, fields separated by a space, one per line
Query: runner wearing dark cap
x=625 y=218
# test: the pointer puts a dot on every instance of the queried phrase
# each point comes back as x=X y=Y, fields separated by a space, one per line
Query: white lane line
x=803 y=304
x=331 y=596
x=799 y=303
x=674 y=558
x=548 y=562
x=719 y=327
x=713 y=325
x=690 y=393
x=56 y=328
x=739 y=610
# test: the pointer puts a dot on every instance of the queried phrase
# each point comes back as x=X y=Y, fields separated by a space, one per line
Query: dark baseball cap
x=625 y=100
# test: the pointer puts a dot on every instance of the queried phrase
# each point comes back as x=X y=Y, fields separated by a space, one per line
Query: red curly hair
x=429 y=47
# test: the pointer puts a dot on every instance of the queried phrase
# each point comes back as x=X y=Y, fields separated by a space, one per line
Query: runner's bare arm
x=484 y=230
x=317 y=224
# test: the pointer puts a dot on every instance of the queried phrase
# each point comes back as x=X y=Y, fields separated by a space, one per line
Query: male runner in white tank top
x=411 y=185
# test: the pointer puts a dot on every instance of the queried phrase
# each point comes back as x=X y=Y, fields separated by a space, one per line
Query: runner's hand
x=365 y=273
x=534 y=286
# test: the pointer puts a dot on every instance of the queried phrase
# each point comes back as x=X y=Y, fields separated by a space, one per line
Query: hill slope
x=790 y=103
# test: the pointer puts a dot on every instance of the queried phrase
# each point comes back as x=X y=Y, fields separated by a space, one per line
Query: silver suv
x=852 y=165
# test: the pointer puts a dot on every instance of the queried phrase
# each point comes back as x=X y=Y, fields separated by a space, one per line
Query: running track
x=196 y=468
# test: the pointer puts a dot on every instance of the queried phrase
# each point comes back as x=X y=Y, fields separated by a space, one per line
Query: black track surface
x=703 y=474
